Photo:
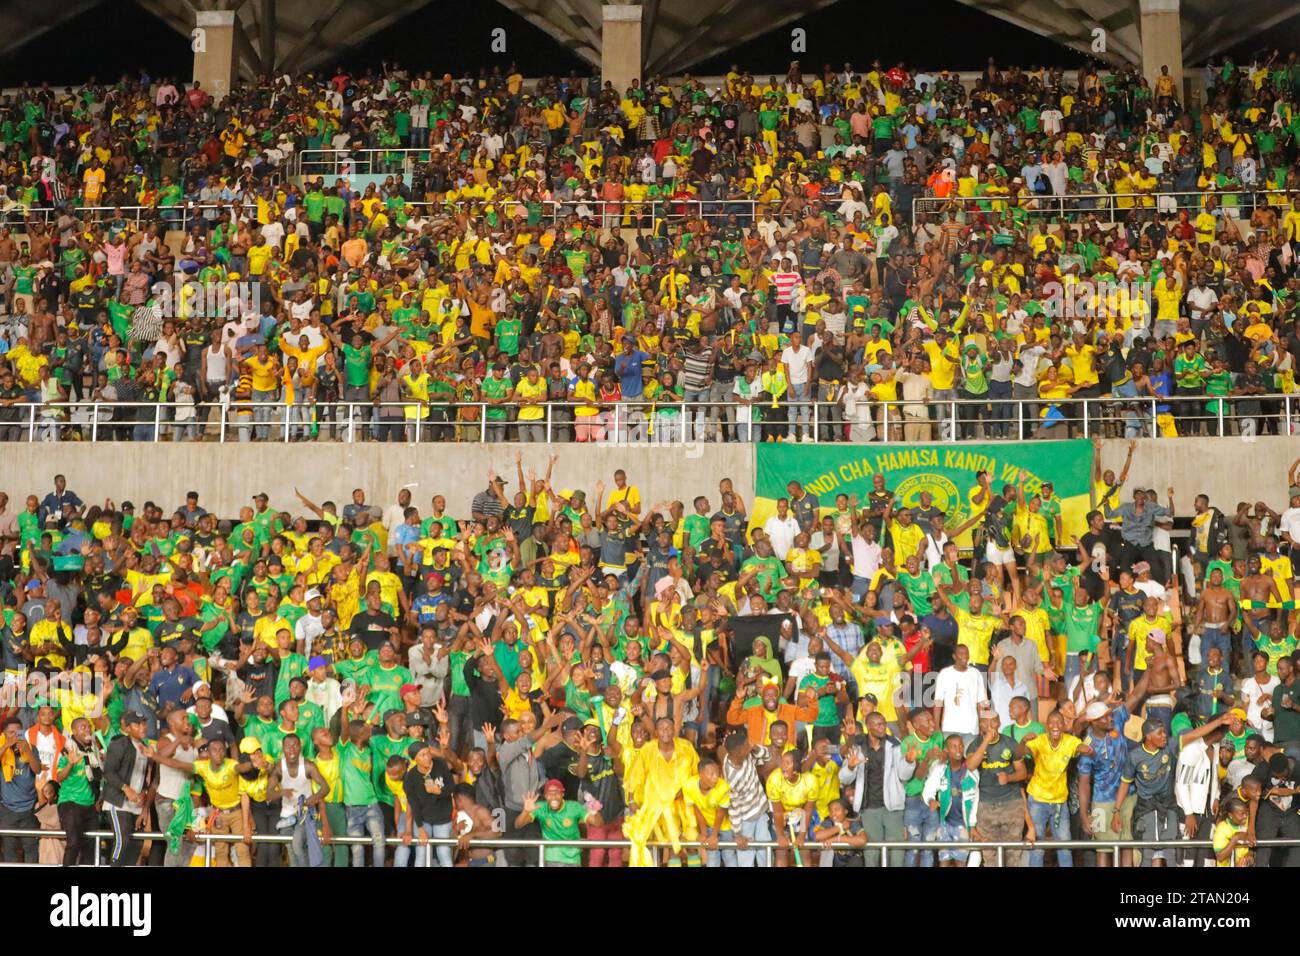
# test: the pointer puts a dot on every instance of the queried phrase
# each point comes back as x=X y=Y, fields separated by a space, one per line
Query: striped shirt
x=697 y=370
x=748 y=797
x=848 y=636
x=785 y=284
x=487 y=504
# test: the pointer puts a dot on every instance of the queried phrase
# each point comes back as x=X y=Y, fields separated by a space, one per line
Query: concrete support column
x=214 y=51
x=620 y=45
x=1162 y=43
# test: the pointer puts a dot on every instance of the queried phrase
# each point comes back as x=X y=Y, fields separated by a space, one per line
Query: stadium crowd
x=562 y=261
x=554 y=665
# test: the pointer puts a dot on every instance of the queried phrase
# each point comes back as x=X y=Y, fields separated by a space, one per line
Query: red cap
x=407 y=689
x=553 y=785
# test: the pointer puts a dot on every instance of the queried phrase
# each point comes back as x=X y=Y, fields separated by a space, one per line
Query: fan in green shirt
x=71 y=771
x=386 y=679
x=917 y=748
x=356 y=366
x=508 y=330
x=261 y=727
x=769 y=571
x=493 y=387
x=382 y=747
x=290 y=665
x=357 y=667
x=335 y=206
x=920 y=587
x=1081 y=620
x=1189 y=368
x=314 y=202
x=355 y=762
x=695 y=527
x=559 y=819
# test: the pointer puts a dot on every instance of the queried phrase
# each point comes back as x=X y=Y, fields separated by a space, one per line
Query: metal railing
x=651 y=422
x=1107 y=207
x=179 y=217
x=342 y=163
x=882 y=849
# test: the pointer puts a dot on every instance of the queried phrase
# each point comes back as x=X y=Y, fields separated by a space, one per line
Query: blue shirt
x=167 y=686
x=52 y=504
x=18 y=794
x=1106 y=764
x=628 y=368
x=425 y=605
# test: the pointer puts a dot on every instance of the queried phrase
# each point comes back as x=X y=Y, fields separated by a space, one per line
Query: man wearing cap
x=1149 y=772
x=560 y=819
x=427 y=785
x=126 y=766
x=310 y=626
x=491 y=501
x=1099 y=778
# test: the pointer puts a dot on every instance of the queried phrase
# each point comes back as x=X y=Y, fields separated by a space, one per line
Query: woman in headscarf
x=762 y=658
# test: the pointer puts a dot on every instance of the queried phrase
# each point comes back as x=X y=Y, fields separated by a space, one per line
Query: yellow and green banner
x=947 y=472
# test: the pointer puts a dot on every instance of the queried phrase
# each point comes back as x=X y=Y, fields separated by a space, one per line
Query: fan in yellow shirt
x=794 y=796
x=708 y=797
x=1052 y=752
x=653 y=784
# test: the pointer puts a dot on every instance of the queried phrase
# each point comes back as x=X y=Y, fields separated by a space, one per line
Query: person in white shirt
x=395 y=515
x=1288 y=526
x=797 y=359
x=311 y=625
x=273 y=233
x=1004 y=686
x=781 y=529
x=325 y=692
x=958 y=691
x=866 y=559
x=1257 y=693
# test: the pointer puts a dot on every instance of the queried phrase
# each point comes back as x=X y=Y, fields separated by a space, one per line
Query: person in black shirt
x=373 y=627
x=831 y=375
x=482 y=676
x=257 y=670
x=599 y=779
x=561 y=761
x=427 y=785
x=211 y=726
x=1099 y=544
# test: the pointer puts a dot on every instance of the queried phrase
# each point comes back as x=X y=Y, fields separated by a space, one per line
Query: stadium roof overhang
x=676 y=34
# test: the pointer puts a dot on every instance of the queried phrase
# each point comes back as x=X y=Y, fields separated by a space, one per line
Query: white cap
x=312 y=595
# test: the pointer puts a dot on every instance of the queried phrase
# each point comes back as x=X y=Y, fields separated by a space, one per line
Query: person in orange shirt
x=354 y=250
x=757 y=718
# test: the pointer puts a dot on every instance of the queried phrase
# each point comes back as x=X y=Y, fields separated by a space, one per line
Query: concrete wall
x=1227 y=469
x=227 y=475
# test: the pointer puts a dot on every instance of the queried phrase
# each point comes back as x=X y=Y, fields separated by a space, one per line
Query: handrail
x=1110 y=207
x=182 y=213
x=541 y=846
x=638 y=421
